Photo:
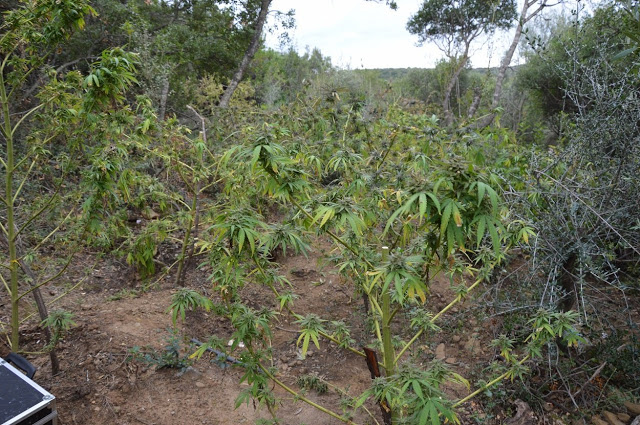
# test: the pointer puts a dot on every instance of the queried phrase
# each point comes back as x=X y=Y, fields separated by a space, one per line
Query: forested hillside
x=198 y=229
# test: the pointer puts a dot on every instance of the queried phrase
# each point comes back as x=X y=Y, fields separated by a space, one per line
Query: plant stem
x=455 y=301
x=294 y=314
x=487 y=385
x=303 y=398
x=11 y=229
x=434 y=318
x=393 y=140
x=389 y=360
x=333 y=235
x=185 y=242
x=408 y=344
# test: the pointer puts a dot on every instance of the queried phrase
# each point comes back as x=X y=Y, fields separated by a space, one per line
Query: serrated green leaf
x=481 y=189
x=423 y=205
x=482 y=222
x=305 y=344
x=417 y=389
x=314 y=337
x=457 y=217
x=446 y=214
x=241 y=237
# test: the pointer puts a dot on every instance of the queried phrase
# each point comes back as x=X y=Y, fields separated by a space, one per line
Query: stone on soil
x=612 y=418
x=473 y=345
x=624 y=417
x=632 y=407
x=440 y=352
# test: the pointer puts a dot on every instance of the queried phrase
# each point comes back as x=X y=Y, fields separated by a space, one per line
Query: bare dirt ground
x=99 y=385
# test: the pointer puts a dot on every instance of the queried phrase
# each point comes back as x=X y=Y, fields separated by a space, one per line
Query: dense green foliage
x=456 y=22
x=124 y=152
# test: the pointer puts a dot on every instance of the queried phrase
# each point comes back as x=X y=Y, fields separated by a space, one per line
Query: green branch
x=434 y=318
x=303 y=398
x=24 y=180
x=55 y=276
x=333 y=235
x=25 y=116
x=65 y=293
x=487 y=385
x=297 y=316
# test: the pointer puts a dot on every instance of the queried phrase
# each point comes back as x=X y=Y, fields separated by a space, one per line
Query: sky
x=364 y=34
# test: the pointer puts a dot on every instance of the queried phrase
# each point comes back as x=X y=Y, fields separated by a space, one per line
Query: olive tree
x=453 y=25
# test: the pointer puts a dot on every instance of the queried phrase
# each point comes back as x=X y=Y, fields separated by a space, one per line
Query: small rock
x=597 y=421
x=524 y=415
x=611 y=418
x=548 y=407
x=624 y=417
x=456 y=338
x=309 y=353
x=473 y=345
x=116 y=409
x=200 y=384
x=636 y=421
x=85 y=307
x=454 y=310
x=632 y=407
x=450 y=360
x=440 y=352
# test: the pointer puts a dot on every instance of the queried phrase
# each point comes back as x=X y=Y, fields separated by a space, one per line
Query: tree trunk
x=43 y=313
x=506 y=60
x=508 y=57
x=163 y=98
x=477 y=96
x=446 y=102
x=248 y=56
x=37 y=296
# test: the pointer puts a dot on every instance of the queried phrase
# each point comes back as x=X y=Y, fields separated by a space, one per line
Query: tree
x=182 y=41
x=454 y=25
x=587 y=210
x=248 y=55
x=178 y=41
x=530 y=8
x=258 y=26
x=281 y=77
